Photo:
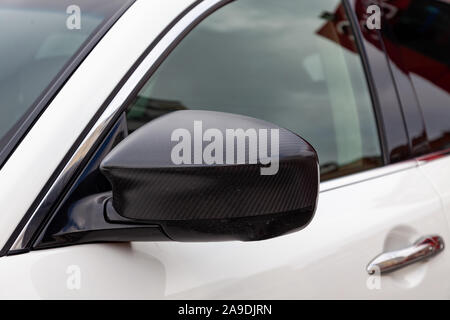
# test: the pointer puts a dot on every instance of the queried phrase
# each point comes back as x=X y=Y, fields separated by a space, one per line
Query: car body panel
x=438 y=172
x=326 y=260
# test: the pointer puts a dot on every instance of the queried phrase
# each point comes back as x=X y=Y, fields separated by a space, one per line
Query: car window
x=420 y=33
x=292 y=63
x=38 y=38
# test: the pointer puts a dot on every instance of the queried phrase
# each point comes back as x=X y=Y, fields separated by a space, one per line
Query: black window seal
x=351 y=15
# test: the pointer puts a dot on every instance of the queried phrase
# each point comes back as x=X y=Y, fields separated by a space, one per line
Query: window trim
x=23 y=237
x=370 y=80
x=390 y=112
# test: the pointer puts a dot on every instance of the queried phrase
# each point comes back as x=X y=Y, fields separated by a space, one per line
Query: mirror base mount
x=93 y=220
x=88 y=221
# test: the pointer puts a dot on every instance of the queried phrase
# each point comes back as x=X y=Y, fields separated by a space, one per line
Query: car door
x=365 y=208
x=290 y=64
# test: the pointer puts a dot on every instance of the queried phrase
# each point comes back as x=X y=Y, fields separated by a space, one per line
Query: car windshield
x=38 y=41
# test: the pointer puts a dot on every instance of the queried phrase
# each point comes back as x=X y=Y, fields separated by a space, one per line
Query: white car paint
x=438 y=173
x=358 y=216
x=325 y=260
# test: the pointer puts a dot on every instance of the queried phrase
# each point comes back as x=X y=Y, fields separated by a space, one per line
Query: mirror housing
x=212 y=176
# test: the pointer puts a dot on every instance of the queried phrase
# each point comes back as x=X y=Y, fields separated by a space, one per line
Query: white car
x=91 y=206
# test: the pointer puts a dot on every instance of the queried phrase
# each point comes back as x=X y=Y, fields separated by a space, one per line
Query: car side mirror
x=212 y=176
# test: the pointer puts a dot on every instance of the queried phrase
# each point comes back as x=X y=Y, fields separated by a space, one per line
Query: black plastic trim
x=395 y=146
x=89 y=222
x=370 y=81
x=419 y=143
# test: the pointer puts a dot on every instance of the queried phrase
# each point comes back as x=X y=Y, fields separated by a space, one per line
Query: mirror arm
x=92 y=220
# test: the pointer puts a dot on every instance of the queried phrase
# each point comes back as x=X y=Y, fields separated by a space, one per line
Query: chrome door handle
x=423 y=248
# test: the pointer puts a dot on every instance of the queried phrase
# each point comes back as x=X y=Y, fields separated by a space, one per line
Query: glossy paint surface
x=326 y=260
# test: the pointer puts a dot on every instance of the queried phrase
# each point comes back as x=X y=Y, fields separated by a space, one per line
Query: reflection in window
x=289 y=62
x=420 y=34
x=36 y=45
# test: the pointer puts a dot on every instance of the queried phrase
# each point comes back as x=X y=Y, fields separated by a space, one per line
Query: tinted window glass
x=37 y=39
x=288 y=62
x=420 y=33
